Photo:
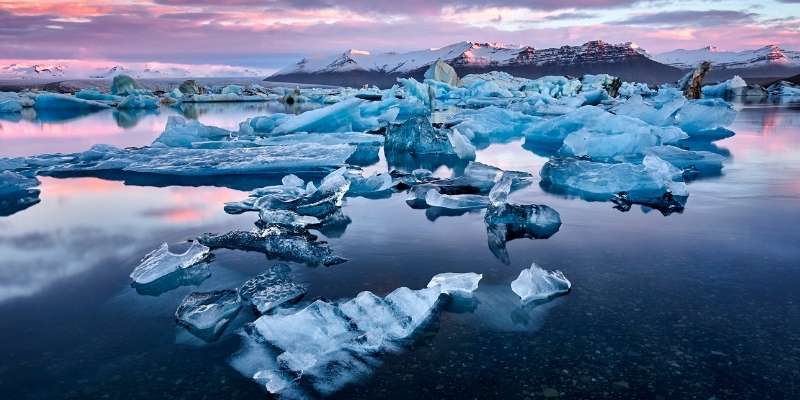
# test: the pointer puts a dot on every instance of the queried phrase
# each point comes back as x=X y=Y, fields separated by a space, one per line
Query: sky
x=273 y=33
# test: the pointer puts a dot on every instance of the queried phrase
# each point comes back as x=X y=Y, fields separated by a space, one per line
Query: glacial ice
x=653 y=182
x=554 y=131
x=123 y=85
x=535 y=283
x=698 y=116
x=96 y=95
x=507 y=221
x=17 y=192
x=138 y=102
x=607 y=146
x=491 y=123
x=417 y=136
x=271 y=289
x=277 y=243
x=181 y=132
x=499 y=193
x=703 y=162
x=206 y=314
x=63 y=102
x=204 y=162
x=161 y=262
x=286 y=218
x=455 y=201
x=443 y=72
x=458 y=284
x=329 y=344
x=731 y=87
x=10 y=102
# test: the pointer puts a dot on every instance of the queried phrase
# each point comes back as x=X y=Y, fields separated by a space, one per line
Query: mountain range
x=70 y=69
x=626 y=60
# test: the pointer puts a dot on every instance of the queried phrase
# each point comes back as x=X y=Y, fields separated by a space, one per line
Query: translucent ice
x=162 y=262
x=654 y=182
x=271 y=289
x=499 y=193
x=731 y=87
x=276 y=242
x=491 y=123
x=452 y=283
x=535 y=283
x=340 y=117
x=286 y=218
x=206 y=314
x=506 y=222
x=692 y=160
x=461 y=145
x=63 y=102
x=181 y=132
x=418 y=136
x=94 y=94
x=138 y=102
x=607 y=146
x=10 y=102
x=455 y=201
x=701 y=115
x=17 y=192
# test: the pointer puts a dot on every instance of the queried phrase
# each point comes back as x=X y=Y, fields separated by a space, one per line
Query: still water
x=700 y=304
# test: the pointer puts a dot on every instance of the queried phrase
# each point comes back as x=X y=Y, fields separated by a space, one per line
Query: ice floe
x=161 y=262
x=272 y=289
x=535 y=283
x=206 y=314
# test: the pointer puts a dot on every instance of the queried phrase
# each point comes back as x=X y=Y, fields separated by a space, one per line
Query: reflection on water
x=700 y=304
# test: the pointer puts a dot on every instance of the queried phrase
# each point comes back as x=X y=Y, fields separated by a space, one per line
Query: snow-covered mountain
x=78 y=69
x=767 y=56
x=358 y=67
x=471 y=54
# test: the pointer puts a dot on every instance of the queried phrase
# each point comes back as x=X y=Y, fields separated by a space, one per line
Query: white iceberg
x=453 y=283
x=535 y=283
x=181 y=132
x=63 y=102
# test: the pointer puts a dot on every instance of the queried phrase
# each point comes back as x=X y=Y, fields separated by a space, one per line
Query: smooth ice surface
x=535 y=283
x=491 y=123
x=94 y=94
x=646 y=182
x=418 y=136
x=443 y=72
x=208 y=313
x=181 y=132
x=730 y=87
x=161 y=262
x=55 y=102
x=455 y=201
x=14 y=183
x=607 y=146
x=506 y=222
x=694 y=160
x=204 y=162
x=10 y=102
x=138 y=102
x=499 y=193
x=286 y=218
x=454 y=283
x=701 y=115
x=271 y=289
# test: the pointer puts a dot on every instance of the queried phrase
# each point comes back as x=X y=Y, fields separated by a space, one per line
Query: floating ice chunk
x=461 y=145
x=783 y=88
x=452 y=283
x=10 y=102
x=456 y=201
x=491 y=123
x=232 y=89
x=138 y=102
x=206 y=314
x=223 y=98
x=262 y=125
x=54 y=101
x=276 y=242
x=161 y=262
x=17 y=192
x=629 y=89
x=292 y=180
x=499 y=193
x=271 y=289
x=123 y=85
x=731 y=87
x=205 y=162
x=607 y=146
x=443 y=72
x=181 y=132
x=286 y=218
x=535 y=283
x=553 y=86
x=654 y=182
x=701 y=115
x=96 y=95
x=555 y=130
x=698 y=161
x=506 y=222
x=484 y=177
x=340 y=117
x=418 y=136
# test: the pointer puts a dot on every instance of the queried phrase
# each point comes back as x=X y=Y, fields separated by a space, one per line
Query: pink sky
x=273 y=33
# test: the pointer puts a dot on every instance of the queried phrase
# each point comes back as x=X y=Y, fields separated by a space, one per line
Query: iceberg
x=499 y=193
x=271 y=289
x=443 y=72
x=123 y=85
x=417 y=136
x=206 y=314
x=456 y=202
x=460 y=284
x=161 y=262
x=63 y=102
x=10 y=102
x=603 y=146
x=698 y=116
x=203 y=162
x=536 y=284
x=491 y=123
x=653 y=182
x=276 y=243
x=96 y=95
x=554 y=131
x=17 y=192
x=286 y=218
x=181 y=132
x=703 y=162
x=732 y=87
x=507 y=221
x=138 y=102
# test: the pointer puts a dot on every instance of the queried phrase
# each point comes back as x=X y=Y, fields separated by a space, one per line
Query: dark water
x=695 y=305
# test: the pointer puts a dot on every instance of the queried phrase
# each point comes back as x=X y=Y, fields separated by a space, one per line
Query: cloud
x=690 y=18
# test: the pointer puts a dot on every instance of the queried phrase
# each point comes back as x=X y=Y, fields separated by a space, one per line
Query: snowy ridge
x=465 y=54
x=78 y=69
x=770 y=55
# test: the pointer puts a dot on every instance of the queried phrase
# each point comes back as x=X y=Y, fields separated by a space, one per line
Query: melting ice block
x=455 y=201
x=491 y=123
x=10 y=102
x=96 y=95
x=161 y=262
x=203 y=162
x=271 y=289
x=653 y=182
x=692 y=160
x=418 y=136
x=453 y=283
x=206 y=314
x=535 y=283
x=286 y=218
x=506 y=222
x=276 y=242
x=731 y=87
x=55 y=102
x=181 y=132
x=698 y=116
x=17 y=192
x=607 y=146
x=138 y=102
